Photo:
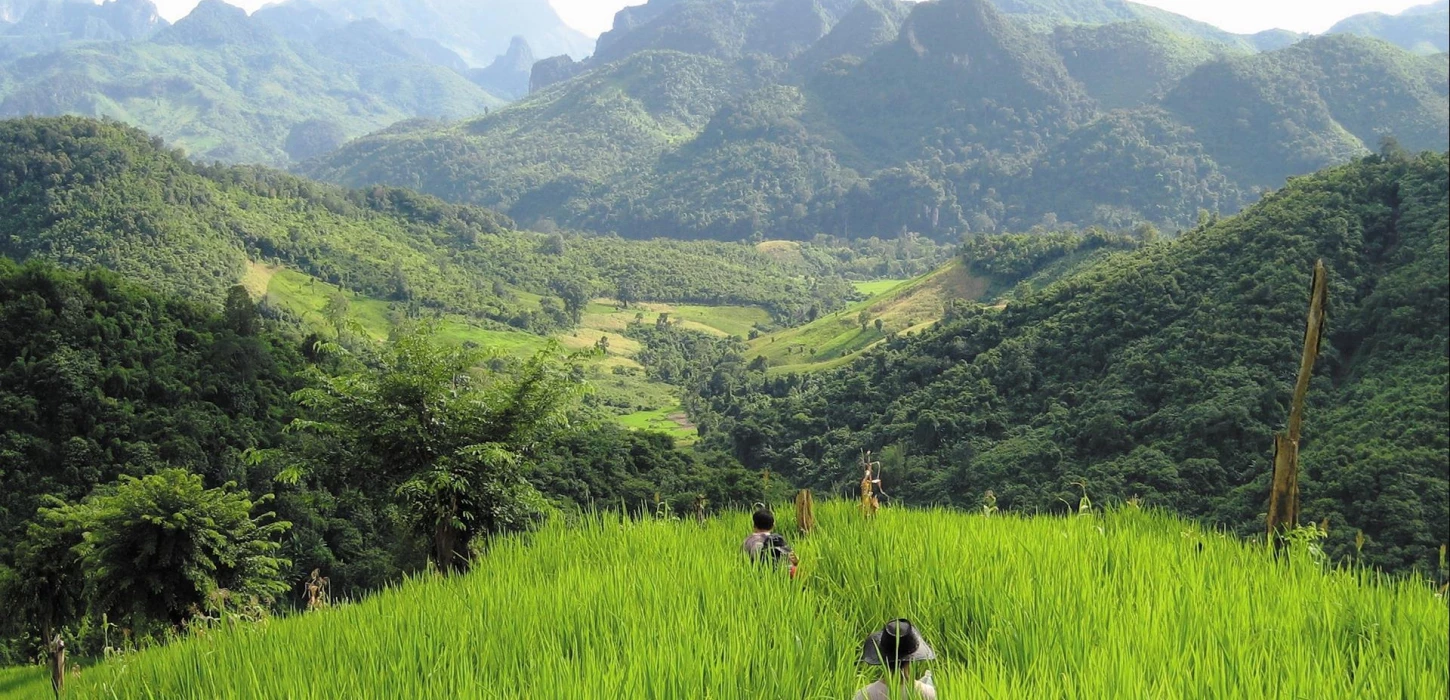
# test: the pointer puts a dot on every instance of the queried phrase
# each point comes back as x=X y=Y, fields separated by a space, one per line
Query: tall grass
x=1130 y=604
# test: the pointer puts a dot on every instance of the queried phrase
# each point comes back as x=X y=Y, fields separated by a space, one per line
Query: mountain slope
x=225 y=87
x=1297 y=110
x=957 y=66
x=1162 y=374
x=1130 y=64
x=1424 y=29
x=546 y=156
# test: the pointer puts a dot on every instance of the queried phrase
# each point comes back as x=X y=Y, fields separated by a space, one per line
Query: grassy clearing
x=671 y=420
x=723 y=321
x=1129 y=604
x=877 y=287
x=901 y=306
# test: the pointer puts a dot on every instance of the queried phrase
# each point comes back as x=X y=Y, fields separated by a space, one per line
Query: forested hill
x=707 y=118
x=85 y=193
x=1163 y=374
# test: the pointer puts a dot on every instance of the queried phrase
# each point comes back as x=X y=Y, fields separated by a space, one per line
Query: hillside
x=547 y=156
x=1424 y=29
x=227 y=87
x=586 y=592
x=946 y=119
x=1162 y=374
x=193 y=229
x=1297 y=110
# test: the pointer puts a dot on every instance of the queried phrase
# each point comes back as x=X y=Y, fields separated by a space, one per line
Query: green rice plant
x=1123 y=604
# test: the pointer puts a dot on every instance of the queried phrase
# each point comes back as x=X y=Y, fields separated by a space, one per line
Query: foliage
x=676 y=589
x=1162 y=374
x=604 y=466
x=447 y=436
x=105 y=380
x=1011 y=258
x=164 y=548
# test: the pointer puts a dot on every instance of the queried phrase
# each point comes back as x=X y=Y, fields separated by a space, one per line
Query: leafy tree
x=160 y=548
x=240 y=312
x=449 y=437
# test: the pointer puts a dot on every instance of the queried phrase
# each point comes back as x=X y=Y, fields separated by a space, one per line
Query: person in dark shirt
x=764 y=545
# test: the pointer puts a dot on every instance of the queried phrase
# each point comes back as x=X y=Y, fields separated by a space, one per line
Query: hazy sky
x=1244 y=16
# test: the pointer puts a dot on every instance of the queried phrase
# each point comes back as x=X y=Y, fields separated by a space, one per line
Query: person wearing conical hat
x=894 y=648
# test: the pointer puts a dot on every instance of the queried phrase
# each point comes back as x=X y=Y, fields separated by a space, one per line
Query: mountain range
x=704 y=118
x=1422 y=29
x=280 y=85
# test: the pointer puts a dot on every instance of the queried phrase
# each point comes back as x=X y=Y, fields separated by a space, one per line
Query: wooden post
x=1284 y=495
x=57 y=665
x=869 y=502
x=805 y=511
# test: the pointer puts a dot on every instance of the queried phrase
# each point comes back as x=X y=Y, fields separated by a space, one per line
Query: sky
x=1243 y=16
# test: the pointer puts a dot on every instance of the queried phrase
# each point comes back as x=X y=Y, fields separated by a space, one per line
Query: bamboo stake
x=1284 y=495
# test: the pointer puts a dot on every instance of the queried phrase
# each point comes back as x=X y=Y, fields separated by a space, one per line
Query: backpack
x=774 y=550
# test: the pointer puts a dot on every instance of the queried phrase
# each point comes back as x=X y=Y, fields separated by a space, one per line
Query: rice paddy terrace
x=1128 y=604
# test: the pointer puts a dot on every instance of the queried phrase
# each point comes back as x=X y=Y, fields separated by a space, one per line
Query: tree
x=161 y=548
x=627 y=292
x=239 y=311
x=336 y=311
x=863 y=318
x=879 y=325
x=575 y=296
x=449 y=437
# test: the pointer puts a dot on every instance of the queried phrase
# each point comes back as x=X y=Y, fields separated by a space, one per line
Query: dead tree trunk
x=1284 y=495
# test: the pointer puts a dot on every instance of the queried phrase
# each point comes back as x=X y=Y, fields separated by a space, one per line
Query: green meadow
x=1126 y=604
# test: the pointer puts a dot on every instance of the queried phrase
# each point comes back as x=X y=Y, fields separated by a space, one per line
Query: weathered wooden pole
x=57 y=665
x=1284 y=495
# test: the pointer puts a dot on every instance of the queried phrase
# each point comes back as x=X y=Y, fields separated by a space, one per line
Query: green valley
x=438 y=348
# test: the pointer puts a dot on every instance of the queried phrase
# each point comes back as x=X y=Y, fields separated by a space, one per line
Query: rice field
x=1129 y=604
